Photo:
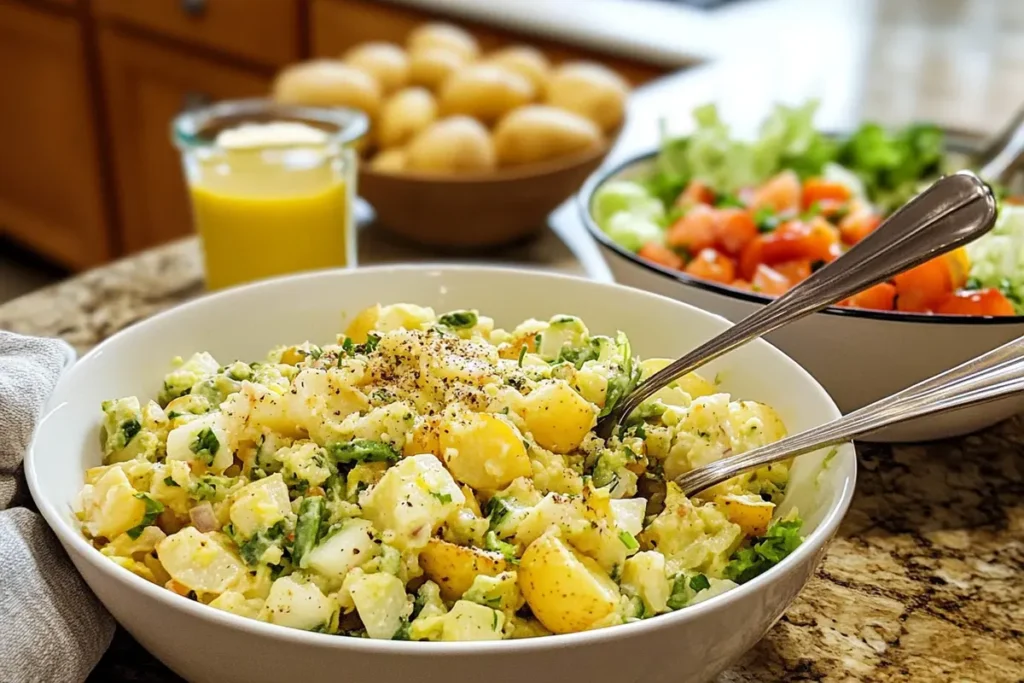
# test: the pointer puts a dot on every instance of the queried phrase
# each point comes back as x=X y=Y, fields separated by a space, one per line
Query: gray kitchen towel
x=52 y=628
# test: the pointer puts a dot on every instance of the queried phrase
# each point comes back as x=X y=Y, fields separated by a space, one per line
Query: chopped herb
x=370 y=346
x=152 y=511
x=680 y=593
x=628 y=540
x=494 y=544
x=205 y=445
x=766 y=220
x=459 y=320
x=403 y=631
x=765 y=552
x=174 y=414
x=129 y=428
x=362 y=450
x=522 y=354
x=348 y=346
x=307 y=529
x=497 y=511
x=728 y=201
x=813 y=210
x=315 y=352
x=168 y=481
x=699 y=582
x=494 y=624
x=252 y=549
x=443 y=497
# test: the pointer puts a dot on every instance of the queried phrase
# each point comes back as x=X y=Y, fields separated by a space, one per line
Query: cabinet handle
x=193 y=8
x=194 y=99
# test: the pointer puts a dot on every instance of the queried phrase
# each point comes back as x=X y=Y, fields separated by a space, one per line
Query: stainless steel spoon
x=955 y=210
x=1004 y=153
x=986 y=378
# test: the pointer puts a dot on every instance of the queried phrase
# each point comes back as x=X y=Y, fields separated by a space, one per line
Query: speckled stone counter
x=925 y=581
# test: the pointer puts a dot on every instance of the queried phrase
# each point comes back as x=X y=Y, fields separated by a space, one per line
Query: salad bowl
x=859 y=355
x=201 y=643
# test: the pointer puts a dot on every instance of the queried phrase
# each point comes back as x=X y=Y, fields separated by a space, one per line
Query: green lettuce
x=997 y=259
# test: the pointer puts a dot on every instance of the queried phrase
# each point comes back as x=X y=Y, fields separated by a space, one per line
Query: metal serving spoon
x=986 y=378
x=955 y=210
x=1003 y=154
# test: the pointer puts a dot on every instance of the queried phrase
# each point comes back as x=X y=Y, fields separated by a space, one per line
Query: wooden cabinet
x=146 y=86
x=339 y=24
x=51 y=190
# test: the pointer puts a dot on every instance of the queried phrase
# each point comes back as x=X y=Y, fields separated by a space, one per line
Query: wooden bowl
x=476 y=210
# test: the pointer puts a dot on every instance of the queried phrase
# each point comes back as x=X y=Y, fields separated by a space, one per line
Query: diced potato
x=411 y=501
x=644 y=576
x=483 y=451
x=381 y=602
x=499 y=592
x=424 y=437
x=466 y=621
x=237 y=603
x=628 y=514
x=110 y=506
x=203 y=441
x=260 y=505
x=692 y=384
x=350 y=546
x=404 y=316
x=199 y=562
x=568 y=513
x=298 y=605
x=364 y=323
x=557 y=416
x=751 y=512
x=566 y=591
x=126 y=546
x=454 y=567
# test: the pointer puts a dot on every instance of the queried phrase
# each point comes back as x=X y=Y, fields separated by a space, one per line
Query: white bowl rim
x=814 y=542
x=585 y=198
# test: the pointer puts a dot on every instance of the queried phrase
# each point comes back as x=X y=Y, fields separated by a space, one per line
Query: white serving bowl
x=858 y=356
x=201 y=643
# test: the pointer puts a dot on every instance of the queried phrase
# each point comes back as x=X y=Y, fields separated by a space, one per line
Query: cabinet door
x=50 y=183
x=146 y=86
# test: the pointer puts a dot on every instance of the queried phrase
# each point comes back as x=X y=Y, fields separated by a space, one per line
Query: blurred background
x=89 y=87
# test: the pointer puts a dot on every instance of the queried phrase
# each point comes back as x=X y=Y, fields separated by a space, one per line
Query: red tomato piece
x=695 y=231
x=695 y=193
x=920 y=289
x=652 y=251
x=713 y=265
x=881 y=297
x=751 y=257
x=857 y=225
x=735 y=229
x=769 y=281
x=780 y=194
x=978 y=302
x=794 y=271
x=824 y=193
x=797 y=240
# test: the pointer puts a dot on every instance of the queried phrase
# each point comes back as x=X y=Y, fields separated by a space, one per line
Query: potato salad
x=432 y=477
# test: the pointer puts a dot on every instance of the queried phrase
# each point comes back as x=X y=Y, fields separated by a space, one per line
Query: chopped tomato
x=735 y=229
x=881 y=297
x=794 y=271
x=799 y=240
x=712 y=265
x=767 y=280
x=695 y=231
x=751 y=257
x=824 y=193
x=857 y=225
x=780 y=194
x=920 y=289
x=741 y=284
x=696 y=193
x=978 y=302
x=652 y=251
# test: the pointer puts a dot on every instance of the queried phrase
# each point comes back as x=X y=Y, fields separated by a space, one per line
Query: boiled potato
x=364 y=323
x=749 y=511
x=424 y=437
x=591 y=90
x=386 y=62
x=565 y=590
x=389 y=161
x=432 y=66
x=539 y=132
x=691 y=383
x=328 y=83
x=485 y=91
x=446 y=36
x=483 y=451
x=452 y=145
x=526 y=61
x=558 y=417
x=404 y=115
x=199 y=562
x=454 y=567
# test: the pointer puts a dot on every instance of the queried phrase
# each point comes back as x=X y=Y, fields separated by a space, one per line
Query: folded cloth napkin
x=52 y=628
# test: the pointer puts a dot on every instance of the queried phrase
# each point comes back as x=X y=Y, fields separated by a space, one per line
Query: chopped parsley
x=252 y=549
x=494 y=544
x=168 y=481
x=362 y=450
x=628 y=540
x=152 y=511
x=205 y=445
x=129 y=428
x=443 y=497
x=459 y=320
x=766 y=220
x=699 y=582
x=497 y=511
x=765 y=552
x=522 y=354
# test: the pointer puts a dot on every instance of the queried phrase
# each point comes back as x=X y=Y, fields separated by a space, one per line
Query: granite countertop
x=925 y=580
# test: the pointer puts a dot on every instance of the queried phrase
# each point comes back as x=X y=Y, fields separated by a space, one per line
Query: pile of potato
x=439 y=105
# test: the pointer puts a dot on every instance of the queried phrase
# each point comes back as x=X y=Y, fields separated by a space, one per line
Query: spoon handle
x=955 y=210
x=985 y=378
x=1004 y=151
